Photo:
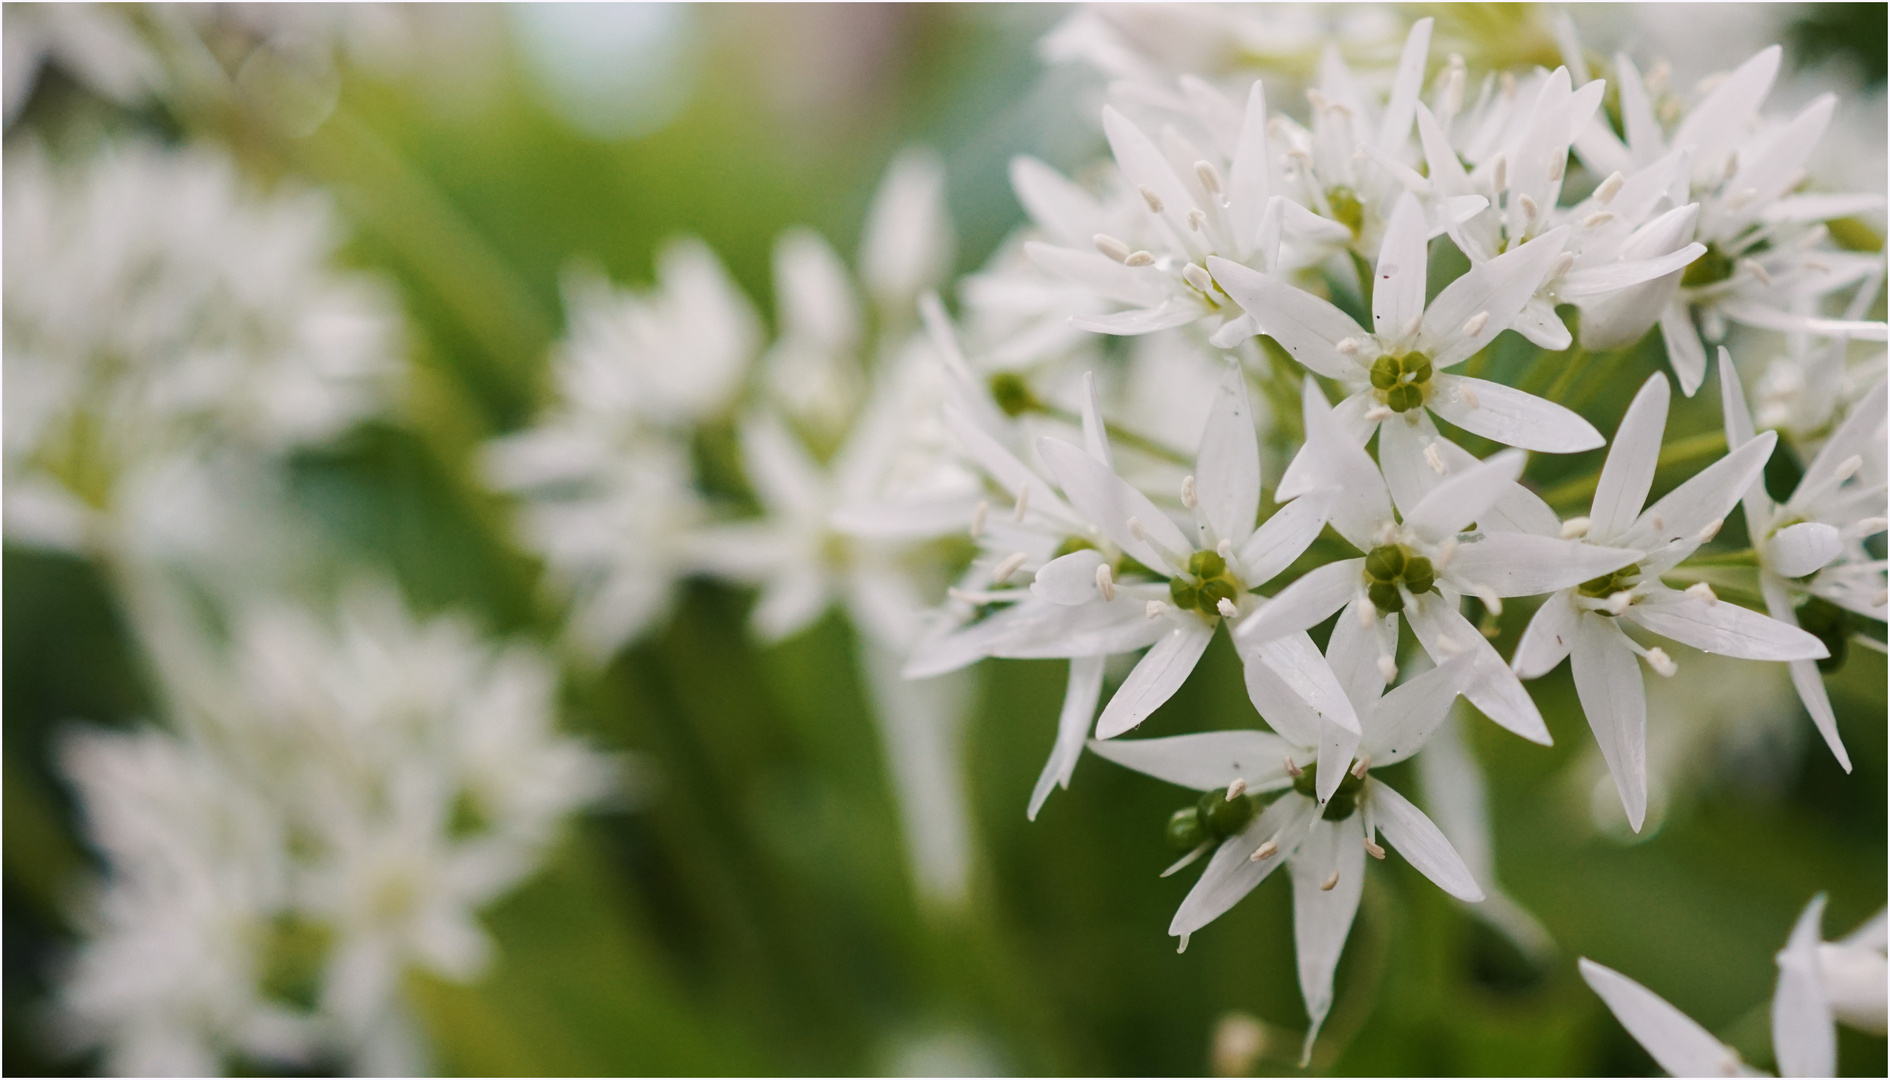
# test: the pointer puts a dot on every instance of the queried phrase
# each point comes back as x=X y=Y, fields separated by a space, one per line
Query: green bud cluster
x=1210 y=586
x=1402 y=382
x=1347 y=208
x=1386 y=566
x=1213 y=817
x=1344 y=802
x=1830 y=624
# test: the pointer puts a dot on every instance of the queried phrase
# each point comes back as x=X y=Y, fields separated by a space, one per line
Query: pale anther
x=1662 y=664
x=1468 y=396
x=1700 y=590
x=1365 y=616
x=1155 y=610
x=1226 y=608
x=1209 y=176
x=1373 y=850
x=1105 y=582
x=1848 y=468
x=1609 y=188
x=1752 y=266
x=1002 y=571
x=1529 y=207
x=1153 y=200
x=1236 y=789
x=1196 y=219
x=978 y=516
x=1388 y=669
x=1474 y=324
x=1139 y=258
x=1558 y=169
x=1618 y=603
x=1445 y=552
x=1378 y=413
x=1597 y=219
x=1265 y=851
x=1023 y=503
x=1112 y=247
x=1434 y=459
x=1189 y=498
x=1331 y=882
x=1491 y=602
x=1225 y=549
x=1562 y=264
x=1197 y=277
x=1347 y=346
x=1499 y=171
x=1292 y=767
x=1711 y=530
x=1575 y=527
x=1361 y=766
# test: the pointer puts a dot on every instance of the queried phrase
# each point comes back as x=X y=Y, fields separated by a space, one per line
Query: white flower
x=96 y=45
x=1818 y=984
x=1420 y=561
x=1399 y=369
x=1587 y=620
x=1819 y=530
x=1330 y=811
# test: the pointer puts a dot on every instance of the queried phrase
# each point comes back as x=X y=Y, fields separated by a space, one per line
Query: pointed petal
x=1143 y=165
x=1624 y=273
x=1000 y=464
x=1096 y=272
x=1166 y=315
x=1452 y=505
x=1518 y=564
x=1713 y=125
x=1283 y=538
x=1109 y=502
x=1305 y=603
x=1492 y=687
x=1806 y=678
x=1608 y=682
x=1499 y=287
x=1156 y=677
x=1685 y=354
x=1227 y=468
x=1406 y=717
x=1421 y=843
x=1395 y=129
x=1095 y=430
x=1079 y=708
x=1322 y=918
x=1637 y=112
x=1307 y=675
x=1231 y=874
x=1722 y=627
x=1737 y=419
x=1307 y=327
x=1511 y=417
x=1353 y=650
x=1804 y=1036
x=1057 y=205
x=785 y=477
x=1628 y=472
x=1549 y=637
x=1398 y=292
x=1707 y=497
x=1249 y=181
x=1677 y=1044
x=1359 y=504
x=1337 y=748
x=1069 y=579
x=1205 y=762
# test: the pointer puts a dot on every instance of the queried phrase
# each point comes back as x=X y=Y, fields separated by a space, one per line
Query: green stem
x=1364 y=271
x=1679 y=452
x=1604 y=374
x=1572 y=367
x=1746 y=557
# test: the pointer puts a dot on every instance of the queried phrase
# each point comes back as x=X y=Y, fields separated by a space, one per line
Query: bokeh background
x=750 y=909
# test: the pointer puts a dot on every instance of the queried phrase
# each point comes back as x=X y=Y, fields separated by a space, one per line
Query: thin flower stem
x=1604 y=372
x=1364 y=271
x=1746 y=557
x=1576 y=491
x=1578 y=362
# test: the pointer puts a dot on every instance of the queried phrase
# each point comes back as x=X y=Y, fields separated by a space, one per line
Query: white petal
x=1452 y=505
x=1608 y=682
x=1803 y=1035
x=1421 y=843
x=1510 y=416
x=1231 y=874
x=1806 y=678
x=1039 y=631
x=1109 y=502
x=1079 y=708
x=1398 y=288
x=788 y=603
x=1519 y=564
x=1406 y=717
x=1407 y=469
x=1306 y=676
x=1628 y=472
x=1208 y=761
x=1249 y=181
x=1549 y=637
x=1677 y=1044
x=1337 y=748
x=785 y=477
x=1499 y=287
x=1722 y=116
x=1100 y=274
x=1060 y=207
x=906 y=246
x=1737 y=419
x=1143 y=165
x=1708 y=496
x=1538 y=322
x=1624 y=273
x=1307 y=327
x=1227 y=468
x=1156 y=677
x=1282 y=538
x=1069 y=579
x=1322 y=918
x=1283 y=708
x=1802 y=549
x=1359 y=504
x=1305 y=603
x=1167 y=315
x=1444 y=632
x=1685 y=354
x=1395 y=128
x=1820 y=207
x=1353 y=651
x=1722 y=627
x=1095 y=429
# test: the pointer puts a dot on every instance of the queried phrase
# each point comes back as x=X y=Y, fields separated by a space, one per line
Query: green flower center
x=1205 y=586
x=1709 y=269
x=1213 y=817
x=1386 y=567
x=1347 y=208
x=1402 y=382
x=1608 y=584
x=1344 y=802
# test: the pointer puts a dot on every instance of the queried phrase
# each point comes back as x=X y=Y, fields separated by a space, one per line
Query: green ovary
x=1344 y=802
x=1213 y=817
x=1210 y=585
x=1386 y=567
x=1402 y=382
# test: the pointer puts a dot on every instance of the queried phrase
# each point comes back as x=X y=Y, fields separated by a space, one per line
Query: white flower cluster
x=336 y=804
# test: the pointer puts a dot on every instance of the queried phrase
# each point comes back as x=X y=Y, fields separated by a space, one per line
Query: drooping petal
x=1109 y=503
x=1497 y=290
x=1806 y=678
x=1422 y=843
x=1519 y=564
x=1451 y=506
x=1628 y=472
x=1227 y=468
x=1398 y=285
x=1305 y=603
x=1492 y=687
x=1685 y=354
x=1322 y=917
x=1207 y=761
x=1231 y=874
x=1069 y=579
x=1722 y=627
x=1509 y=416
x=1406 y=717
x=1548 y=638
x=1707 y=497
x=1608 y=682
x=1156 y=677
x=1282 y=538
x=1079 y=707
x=1306 y=326
x=1804 y=1037
x=1676 y=1043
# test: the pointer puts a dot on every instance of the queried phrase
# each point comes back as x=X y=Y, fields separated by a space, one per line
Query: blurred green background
x=753 y=913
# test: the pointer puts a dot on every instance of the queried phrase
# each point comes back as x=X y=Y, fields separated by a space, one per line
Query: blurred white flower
x=93 y=43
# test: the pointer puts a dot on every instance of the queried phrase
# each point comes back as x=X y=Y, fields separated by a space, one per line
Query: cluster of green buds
x=1344 y=801
x=1390 y=564
x=1402 y=382
x=1607 y=585
x=1347 y=208
x=1211 y=584
x=1214 y=817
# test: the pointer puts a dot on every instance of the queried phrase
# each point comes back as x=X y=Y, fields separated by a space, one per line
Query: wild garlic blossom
x=1820 y=984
